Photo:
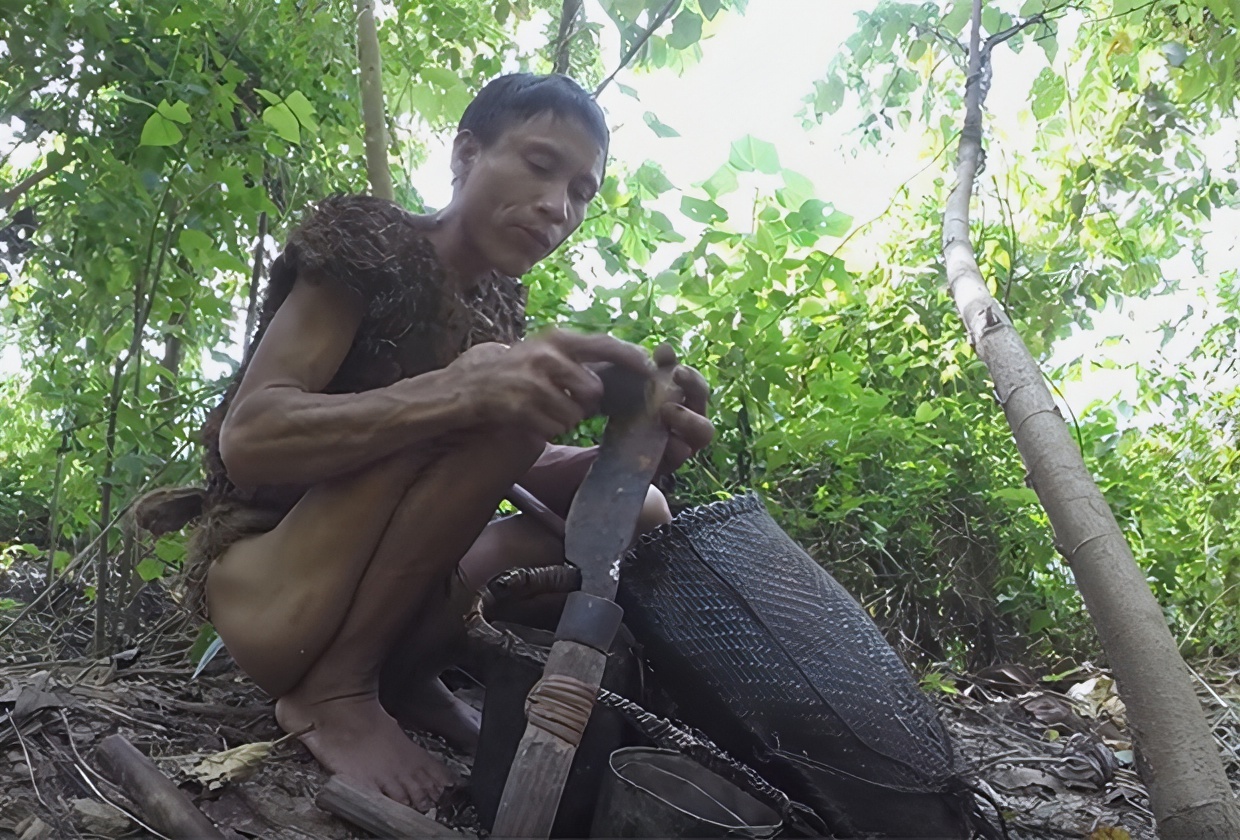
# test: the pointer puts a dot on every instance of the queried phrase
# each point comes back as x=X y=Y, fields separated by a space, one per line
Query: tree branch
x=658 y=20
x=9 y=197
x=564 y=39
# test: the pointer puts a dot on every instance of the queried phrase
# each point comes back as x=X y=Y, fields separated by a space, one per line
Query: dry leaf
x=1107 y=832
x=233 y=765
x=237 y=764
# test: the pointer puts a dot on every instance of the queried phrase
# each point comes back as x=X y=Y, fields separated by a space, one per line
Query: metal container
x=660 y=793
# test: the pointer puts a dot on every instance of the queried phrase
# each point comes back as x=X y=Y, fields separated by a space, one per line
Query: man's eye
x=538 y=166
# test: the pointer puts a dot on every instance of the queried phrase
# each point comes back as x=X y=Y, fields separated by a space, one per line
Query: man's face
x=523 y=195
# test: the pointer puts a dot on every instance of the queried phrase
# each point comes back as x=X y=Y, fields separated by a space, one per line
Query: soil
x=1052 y=755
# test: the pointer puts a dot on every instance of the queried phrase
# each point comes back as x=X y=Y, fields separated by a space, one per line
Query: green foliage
x=170 y=135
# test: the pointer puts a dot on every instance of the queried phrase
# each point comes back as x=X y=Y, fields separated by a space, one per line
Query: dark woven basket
x=766 y=653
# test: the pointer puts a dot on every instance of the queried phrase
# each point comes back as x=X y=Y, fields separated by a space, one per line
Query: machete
x=601 y=524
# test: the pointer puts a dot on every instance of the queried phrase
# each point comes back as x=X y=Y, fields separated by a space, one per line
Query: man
x=386 y=408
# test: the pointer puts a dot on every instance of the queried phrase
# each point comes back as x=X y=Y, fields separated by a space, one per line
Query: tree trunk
x=373 y=117
x=1180 y=760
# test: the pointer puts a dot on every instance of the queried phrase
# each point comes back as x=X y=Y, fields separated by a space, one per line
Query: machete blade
x=603 y=516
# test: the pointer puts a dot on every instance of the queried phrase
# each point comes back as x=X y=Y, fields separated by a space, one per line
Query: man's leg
x=409 y=686
x=311 y=609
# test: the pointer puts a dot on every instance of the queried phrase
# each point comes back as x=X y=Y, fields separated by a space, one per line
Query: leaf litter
x=1054 y=755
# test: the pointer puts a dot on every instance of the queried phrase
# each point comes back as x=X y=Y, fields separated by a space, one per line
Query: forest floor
x=1052 y=755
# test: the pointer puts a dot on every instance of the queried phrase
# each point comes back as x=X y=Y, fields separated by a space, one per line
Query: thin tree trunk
x=1179 y=759
x=256 y=276
x=53 y=513
x=103 y=568
x=564 y=38
x=373 y=118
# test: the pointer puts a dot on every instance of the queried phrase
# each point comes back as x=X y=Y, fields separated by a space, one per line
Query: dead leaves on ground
x=236 y=764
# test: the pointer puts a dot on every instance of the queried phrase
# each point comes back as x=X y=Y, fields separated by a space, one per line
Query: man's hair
x=512 y=99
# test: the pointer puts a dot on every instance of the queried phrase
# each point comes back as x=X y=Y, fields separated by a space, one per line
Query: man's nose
x=554 y=204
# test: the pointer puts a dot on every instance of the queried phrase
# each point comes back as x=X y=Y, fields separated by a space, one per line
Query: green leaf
x=749 y=154
x=440 y=76
x=722 y=182
x=992 y=20
x=710 y=8
x=797 y=189
x=283 y=121
x=1049 y=93
x=829 y=95
x=1123 y=7
x=206 y=635
x=821 y=218
x=651 y=180
x=1017 y=496
x=150 y=568
x=955 y=20
x=193 y=241
x=926 y=412
x=705 y=212
x=271 y=97
x=658 y=126
x=686 y=30
x=301 y=108
x=1039 y=621
x=160 y=131
x=178 y=113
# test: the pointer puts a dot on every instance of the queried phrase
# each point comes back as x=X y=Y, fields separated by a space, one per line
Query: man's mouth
x=539 y=238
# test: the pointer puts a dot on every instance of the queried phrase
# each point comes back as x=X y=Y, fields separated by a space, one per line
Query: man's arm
x=281 y=430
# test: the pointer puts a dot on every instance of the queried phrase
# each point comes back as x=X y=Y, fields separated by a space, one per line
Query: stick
x=526 y=502
x=166 y=806
x=377 y=814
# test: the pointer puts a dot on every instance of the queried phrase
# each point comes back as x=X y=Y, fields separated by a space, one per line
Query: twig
x=658 y=20
x=29 y=763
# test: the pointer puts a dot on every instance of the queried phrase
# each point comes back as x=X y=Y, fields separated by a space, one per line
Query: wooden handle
x=166 y=807
x=377 y=814
x=543 y=761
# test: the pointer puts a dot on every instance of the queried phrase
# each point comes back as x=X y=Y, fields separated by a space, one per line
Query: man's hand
x=541 y=384
x=689 y=431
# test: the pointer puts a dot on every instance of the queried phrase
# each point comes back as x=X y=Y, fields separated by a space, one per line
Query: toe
x=394 y=790
x=420 y=796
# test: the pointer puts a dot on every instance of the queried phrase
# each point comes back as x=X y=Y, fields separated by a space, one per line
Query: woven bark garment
x=414 y=322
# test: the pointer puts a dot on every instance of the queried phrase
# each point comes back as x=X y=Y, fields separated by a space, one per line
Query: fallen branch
x=376 y=813
x=165 y=806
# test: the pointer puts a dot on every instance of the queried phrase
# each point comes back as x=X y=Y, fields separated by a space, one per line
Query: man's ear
x=465 y=151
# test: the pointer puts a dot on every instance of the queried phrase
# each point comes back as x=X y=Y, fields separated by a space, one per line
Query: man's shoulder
x=360 y=214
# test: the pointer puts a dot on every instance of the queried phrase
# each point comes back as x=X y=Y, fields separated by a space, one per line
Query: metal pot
x=660 y=793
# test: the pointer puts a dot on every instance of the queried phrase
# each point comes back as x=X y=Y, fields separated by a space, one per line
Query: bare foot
x=430 y=707
x=354 y=737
